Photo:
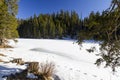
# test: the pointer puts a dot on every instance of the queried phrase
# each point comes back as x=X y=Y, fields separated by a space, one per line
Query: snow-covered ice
x=72 y=63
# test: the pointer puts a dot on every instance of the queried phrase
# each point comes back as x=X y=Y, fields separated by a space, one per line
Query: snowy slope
x=72 y=63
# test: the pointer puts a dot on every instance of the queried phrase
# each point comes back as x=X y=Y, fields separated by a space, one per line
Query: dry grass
x=6 y=46
x=44 y=69
x=2 y=55
x=1 y=60
x=18 y=61
x=47 y=69
x=33 y=67
x=43 y=72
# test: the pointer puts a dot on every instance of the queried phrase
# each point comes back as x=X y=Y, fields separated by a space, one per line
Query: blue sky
x=28 y=8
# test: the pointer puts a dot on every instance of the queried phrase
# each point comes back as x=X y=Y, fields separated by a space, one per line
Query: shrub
x=47 y=69
x=2 y=55
x=43 y=72
x=33 y=67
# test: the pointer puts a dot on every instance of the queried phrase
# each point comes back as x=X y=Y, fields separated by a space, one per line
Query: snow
x=72 y=61
x=31 y=75
x=9 y=68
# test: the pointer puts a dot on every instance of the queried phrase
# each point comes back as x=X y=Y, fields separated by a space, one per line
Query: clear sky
x=28 y=8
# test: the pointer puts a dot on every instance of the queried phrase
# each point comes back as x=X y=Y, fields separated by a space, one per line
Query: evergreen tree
x=8 y=22
x=105 y=28
x=50 y=25
x=74 y=24
x=52 y=28
x=36 y=32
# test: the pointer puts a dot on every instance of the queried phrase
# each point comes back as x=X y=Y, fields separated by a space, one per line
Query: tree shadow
x=5 y=71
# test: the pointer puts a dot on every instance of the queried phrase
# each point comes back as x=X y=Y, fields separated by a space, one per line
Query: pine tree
x=47 y=25
x=8 y=22
x=105 y=28
x=60 y=31
x=52 y=28
x=36 y=27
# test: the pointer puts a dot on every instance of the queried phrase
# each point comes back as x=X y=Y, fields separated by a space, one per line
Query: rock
x=18 y=61
x=56 y=77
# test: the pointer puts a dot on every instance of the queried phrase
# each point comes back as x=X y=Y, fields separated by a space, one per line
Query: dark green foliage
x=8 y=22
x=57 y=25
x=92 y=49
x=104 y=27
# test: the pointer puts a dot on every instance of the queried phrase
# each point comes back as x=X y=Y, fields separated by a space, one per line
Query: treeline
x=97 y=26
x=100 y=27
x=56 y=25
